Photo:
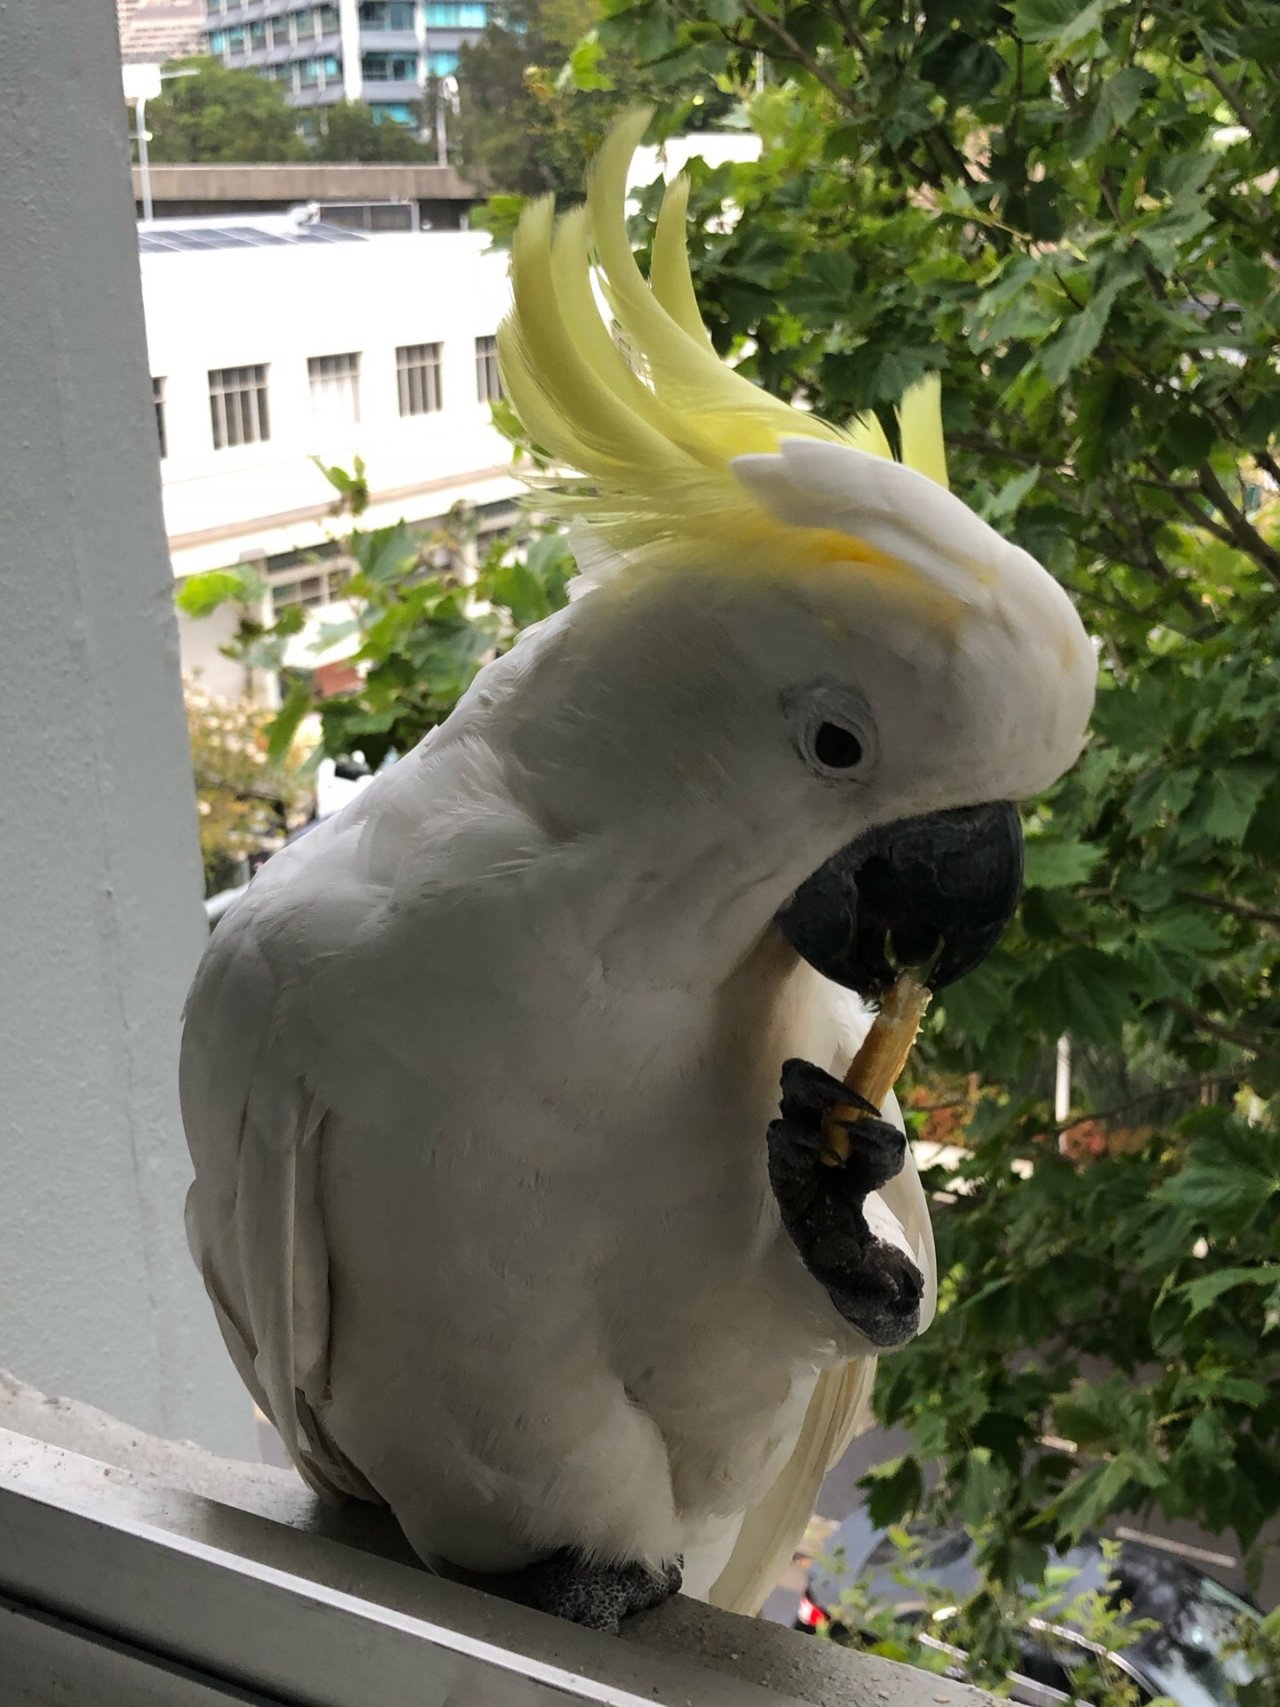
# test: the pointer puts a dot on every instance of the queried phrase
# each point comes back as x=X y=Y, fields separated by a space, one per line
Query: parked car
x=1190 y=1654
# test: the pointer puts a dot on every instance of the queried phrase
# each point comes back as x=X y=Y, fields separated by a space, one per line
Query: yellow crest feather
x=653 y=450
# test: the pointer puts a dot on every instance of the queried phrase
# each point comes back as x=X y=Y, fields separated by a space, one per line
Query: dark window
x=488 y=379
x=418 y=378
x=238 y=405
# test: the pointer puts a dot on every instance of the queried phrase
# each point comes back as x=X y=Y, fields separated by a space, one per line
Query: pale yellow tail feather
x=772 y=1530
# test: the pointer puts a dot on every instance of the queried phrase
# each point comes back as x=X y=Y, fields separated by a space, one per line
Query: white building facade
x=272 y=345
x=378 y=51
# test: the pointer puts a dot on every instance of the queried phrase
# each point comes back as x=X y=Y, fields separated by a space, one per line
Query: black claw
x=872 y=1284
x=580 y=1590
x=808 y=1094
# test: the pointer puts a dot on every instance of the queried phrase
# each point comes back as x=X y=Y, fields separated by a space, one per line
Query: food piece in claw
x=878 y=1064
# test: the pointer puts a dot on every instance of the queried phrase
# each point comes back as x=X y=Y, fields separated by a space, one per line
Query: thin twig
x=1202 y=1083
x=1237 y=909
x=1246 y=536
x=1250 y=1040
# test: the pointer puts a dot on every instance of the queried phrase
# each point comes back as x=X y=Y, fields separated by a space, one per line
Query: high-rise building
x=378 y=51
x=153 y=31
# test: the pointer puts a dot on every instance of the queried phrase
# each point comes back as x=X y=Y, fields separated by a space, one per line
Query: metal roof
x=181 y=239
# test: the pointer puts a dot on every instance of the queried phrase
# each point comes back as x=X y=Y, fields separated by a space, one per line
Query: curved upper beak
x=935 y=891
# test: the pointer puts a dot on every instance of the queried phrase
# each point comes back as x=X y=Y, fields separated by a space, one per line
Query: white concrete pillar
x=352 y=71
x=100 y=916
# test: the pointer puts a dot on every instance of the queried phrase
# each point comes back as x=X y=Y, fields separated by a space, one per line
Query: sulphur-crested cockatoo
x=498 y=1211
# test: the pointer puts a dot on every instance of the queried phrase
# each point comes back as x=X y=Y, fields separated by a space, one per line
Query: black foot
x=569 y=1585
x=873 y=1285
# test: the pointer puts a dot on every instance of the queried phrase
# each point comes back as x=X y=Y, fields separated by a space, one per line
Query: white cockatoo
x=493 y=1197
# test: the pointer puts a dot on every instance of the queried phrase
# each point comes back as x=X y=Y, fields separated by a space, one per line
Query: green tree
x=538 y=91
x=222 y=114
x=429 y=607
x=350 y=131
x=1068 y=209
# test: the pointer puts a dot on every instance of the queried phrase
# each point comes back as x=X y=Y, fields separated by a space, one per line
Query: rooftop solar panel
x=160 y=240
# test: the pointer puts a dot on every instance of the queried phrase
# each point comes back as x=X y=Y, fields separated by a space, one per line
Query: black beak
x=938 y=889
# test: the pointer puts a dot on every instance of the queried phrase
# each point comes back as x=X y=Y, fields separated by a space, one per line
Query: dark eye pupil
x=839 y=749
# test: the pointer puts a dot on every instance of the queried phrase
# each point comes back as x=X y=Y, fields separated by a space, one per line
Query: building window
x=457 y=14
x=418 y=377
x=310 y=590
x=386 y=14
x=238 y=404
x=257 y=37
x=279 y=32
x=308 y=73
x=304 y=24
x=390 y=67
x=488 y=379
x=235 y=39
x=442 y=64
x=327 y=20
x=157 y=392
x=335 y=388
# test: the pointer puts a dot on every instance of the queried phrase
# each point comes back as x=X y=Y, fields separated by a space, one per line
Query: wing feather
x=254 y=1214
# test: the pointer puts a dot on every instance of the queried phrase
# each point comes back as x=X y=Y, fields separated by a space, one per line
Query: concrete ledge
x=730 y=1650
x=318 y=182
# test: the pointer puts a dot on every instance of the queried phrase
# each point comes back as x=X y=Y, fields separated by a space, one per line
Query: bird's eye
x=837 y=748
x=834 y=731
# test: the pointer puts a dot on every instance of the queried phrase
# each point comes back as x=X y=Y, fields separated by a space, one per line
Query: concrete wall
x=100 y=913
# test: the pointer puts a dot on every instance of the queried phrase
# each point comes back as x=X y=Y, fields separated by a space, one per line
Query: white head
x=791 y=638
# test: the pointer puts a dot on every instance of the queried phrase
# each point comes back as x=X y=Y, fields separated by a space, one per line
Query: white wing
x=254 y=1217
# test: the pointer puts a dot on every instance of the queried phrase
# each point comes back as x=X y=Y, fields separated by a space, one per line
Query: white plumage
x=477 y=1076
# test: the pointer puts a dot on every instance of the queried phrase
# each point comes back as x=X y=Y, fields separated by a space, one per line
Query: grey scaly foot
x=874 y=1286
x=571 y=1586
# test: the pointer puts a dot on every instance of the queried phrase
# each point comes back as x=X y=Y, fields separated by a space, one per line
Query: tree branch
x=1237 y=909
x=1249 y=1040
x=1231 y=96
x=1213 y=1079
x=1245 y=535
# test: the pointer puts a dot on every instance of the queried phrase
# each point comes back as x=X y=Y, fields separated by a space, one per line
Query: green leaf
x=1079 y=336
x=893 y=1490
x=519 y=589
x=1010 y=496
x=1117 y=101
x=1219 y=1190
x=1159 y=795
x=1200 y=1294
x=585 y=64
x=285 y=724
x=1054 y=862
x=1226 y=801
x=1082 y=991
x=201 y=595
x=1061 y=22
x=978 y=1002
x=1091 y=1497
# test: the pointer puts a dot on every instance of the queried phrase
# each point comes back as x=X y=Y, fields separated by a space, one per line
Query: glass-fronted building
x=378 y=51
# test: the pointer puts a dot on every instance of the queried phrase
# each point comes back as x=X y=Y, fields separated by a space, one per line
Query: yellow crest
x=653 y=449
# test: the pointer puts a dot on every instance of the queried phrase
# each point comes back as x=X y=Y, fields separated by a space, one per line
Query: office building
x=378 y=51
